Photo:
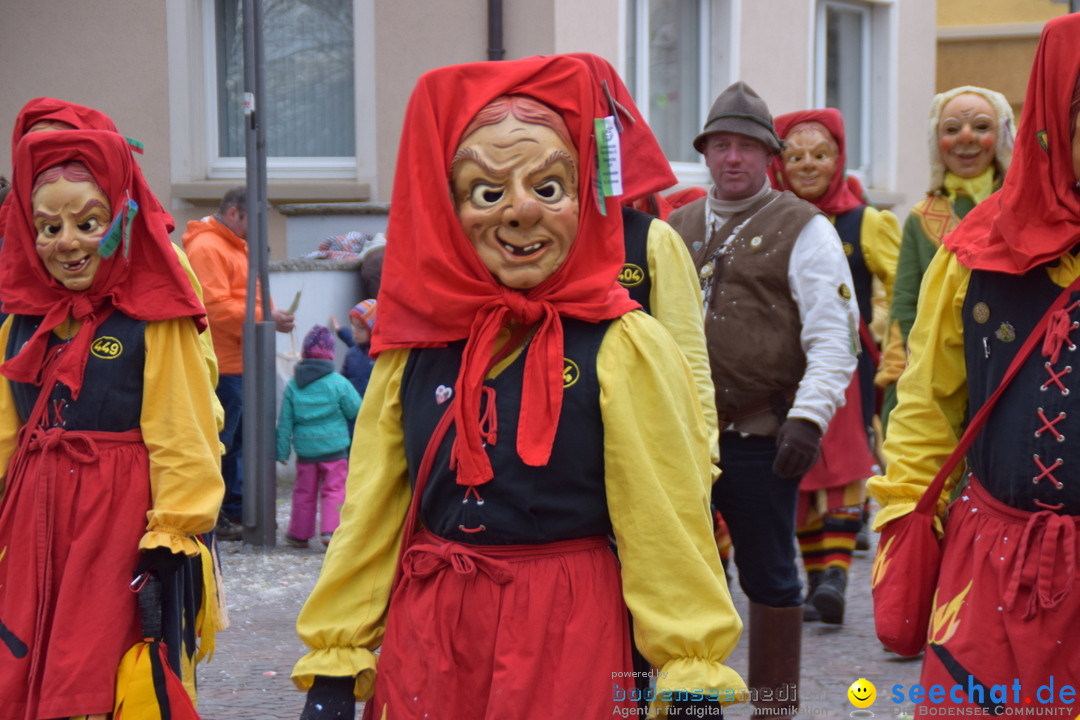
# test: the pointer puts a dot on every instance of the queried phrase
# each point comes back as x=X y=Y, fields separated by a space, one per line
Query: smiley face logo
x=862 y=693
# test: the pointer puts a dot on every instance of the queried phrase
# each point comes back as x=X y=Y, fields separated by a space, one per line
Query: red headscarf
x=79 y=117
x=436 y=290
x=1035 y=217
x=838 y=197
x=641 y=151
x=144 y=280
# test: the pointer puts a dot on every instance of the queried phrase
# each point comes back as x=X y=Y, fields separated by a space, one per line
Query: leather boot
x=810 y=613
x=775 y=647
x=828 y=596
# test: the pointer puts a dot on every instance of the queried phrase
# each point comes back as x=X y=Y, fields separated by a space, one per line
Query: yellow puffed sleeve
x=180 y=433
x=931 y=395
x=9 y=417
x=344 y=618
x=880 y=237
x=675 y=300
x=673 y=583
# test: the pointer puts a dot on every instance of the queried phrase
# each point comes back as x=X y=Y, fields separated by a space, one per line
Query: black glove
x=703 y=708
x=330 y=698
x=797 y=447
x=161 y=562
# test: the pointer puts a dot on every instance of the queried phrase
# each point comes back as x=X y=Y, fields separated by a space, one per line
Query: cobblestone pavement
x=248 y=677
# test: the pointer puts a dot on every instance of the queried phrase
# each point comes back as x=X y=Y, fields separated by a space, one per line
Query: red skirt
x=845 y=449
x=70 y=524
x=523 y=631
x=1007 y=607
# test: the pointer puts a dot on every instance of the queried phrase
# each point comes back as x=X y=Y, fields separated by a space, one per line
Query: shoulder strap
x=928 y=501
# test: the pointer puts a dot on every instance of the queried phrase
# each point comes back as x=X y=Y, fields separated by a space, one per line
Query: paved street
x=248 y=678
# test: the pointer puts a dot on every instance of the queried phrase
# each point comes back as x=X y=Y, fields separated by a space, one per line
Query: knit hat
x=364 y=311
x=318 y=343
x=740 y=110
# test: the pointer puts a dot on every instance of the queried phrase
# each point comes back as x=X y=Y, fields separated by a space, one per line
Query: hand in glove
x=330 y=698
x=797 y=446
x=160 y=561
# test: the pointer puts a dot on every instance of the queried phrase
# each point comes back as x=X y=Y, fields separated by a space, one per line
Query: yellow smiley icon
x=862 y=693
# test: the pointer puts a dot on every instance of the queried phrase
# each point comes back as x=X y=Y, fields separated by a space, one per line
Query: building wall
x=458 y=33
x=993 y=12
x=108 y=55
x=914 y=90
x=775 y=68
x=991 y=43
x=770 y=45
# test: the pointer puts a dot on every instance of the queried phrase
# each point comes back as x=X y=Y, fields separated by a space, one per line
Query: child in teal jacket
x=316 y=410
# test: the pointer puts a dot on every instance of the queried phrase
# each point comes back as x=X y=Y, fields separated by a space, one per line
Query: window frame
x=686 y=172
x=866 y=62
x=878 y=100
x=194 y=104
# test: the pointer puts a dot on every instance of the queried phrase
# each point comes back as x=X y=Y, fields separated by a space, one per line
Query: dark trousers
x=230 y=392
x=759 y=509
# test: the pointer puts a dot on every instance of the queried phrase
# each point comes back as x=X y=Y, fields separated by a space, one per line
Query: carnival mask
x=70 y=217
x=967 y=135
x=515 y=188
x=810 y=157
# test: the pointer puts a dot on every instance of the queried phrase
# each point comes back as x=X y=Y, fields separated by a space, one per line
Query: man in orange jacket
x=217 y=248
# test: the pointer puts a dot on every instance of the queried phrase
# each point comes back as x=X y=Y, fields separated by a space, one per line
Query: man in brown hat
x=780 y=321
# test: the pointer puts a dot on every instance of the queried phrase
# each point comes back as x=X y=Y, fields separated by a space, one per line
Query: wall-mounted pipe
x=496 y=51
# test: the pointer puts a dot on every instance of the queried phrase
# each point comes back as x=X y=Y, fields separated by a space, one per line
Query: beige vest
x=752 y=324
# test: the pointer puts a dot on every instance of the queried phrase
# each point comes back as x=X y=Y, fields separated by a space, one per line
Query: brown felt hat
x=740 y=110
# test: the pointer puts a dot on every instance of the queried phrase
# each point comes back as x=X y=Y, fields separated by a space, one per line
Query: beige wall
x=776 y=69
x=990 y=12
x=991 y=43
x=915 y=90
x=108 y=55
x=458 y=33
x=129 y=77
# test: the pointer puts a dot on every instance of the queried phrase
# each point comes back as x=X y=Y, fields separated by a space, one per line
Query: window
x=843 y=72
x=318 y=73
x=309 y=108
x=677 y=53
x=665 y=70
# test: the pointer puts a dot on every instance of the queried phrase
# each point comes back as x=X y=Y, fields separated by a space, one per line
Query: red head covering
x=1035 y=217
x=79 y=117
x=435 y=289
x=144 y=280
x=641 y=151
x=838 y=197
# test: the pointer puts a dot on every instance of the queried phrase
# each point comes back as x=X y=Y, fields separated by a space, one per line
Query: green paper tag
x=608 y=157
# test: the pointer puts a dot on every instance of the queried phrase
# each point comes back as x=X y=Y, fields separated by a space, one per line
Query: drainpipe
x=496 y=51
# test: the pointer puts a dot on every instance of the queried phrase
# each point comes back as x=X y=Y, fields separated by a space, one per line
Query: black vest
x=565 y=499
x=634 y=275
x=999 y=313
x=112 y=388
x=849 y=228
